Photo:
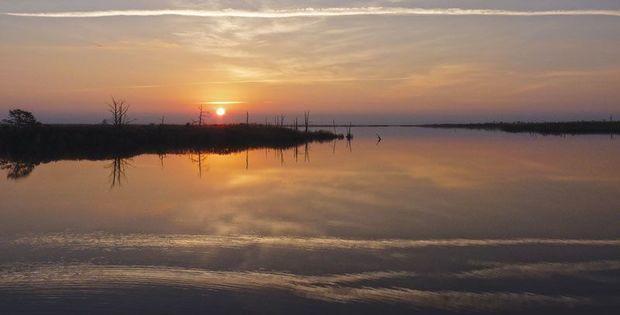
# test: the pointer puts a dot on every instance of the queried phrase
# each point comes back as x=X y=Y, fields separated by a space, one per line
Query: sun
x=220 y=111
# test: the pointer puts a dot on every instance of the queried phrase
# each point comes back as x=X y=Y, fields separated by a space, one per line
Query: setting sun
x=220 y=111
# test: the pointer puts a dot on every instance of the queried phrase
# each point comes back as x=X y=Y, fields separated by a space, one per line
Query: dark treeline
x=44 y=143
x=545 y=128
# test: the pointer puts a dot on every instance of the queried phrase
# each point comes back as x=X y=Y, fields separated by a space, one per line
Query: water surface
x=428 y=221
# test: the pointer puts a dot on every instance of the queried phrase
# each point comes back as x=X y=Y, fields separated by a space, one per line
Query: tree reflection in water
x=162 y=156
x=306 y=153
x=17 y=169
x=22 y=167
x=117 y=171
x=199 y=157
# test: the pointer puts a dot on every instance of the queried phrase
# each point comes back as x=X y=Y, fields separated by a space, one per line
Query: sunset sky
x=363 y=61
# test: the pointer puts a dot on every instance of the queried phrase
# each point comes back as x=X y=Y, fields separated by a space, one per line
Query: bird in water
x=378 y=138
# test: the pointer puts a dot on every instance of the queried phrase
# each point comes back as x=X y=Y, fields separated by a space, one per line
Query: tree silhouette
x=119 y=110
x=20 y=118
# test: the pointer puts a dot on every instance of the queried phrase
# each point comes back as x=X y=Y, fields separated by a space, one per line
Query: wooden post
x=349 y=135
x=306 y=120
x=282 y=120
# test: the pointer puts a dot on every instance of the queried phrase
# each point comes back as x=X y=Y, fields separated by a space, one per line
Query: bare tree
x=119 y=109
x=201 y=114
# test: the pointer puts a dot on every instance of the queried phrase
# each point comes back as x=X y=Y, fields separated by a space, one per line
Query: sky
x=378 y=61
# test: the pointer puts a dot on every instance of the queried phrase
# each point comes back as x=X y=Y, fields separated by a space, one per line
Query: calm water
x=427 y=221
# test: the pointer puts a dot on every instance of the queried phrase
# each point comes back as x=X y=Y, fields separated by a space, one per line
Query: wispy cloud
x=305 y=80
x=317 y=12
x=224 y=102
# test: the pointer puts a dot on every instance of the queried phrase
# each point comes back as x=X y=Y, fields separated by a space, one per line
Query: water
x=426 y=221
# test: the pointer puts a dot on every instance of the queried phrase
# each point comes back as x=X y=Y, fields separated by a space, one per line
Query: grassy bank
x=546 y=128
x=54 y=142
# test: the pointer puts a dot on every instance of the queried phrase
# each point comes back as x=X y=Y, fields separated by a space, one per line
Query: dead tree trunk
x=200 y=115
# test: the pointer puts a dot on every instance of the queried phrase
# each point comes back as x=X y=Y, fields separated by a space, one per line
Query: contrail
x=316 y=12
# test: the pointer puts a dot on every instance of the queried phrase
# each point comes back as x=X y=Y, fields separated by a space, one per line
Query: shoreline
x=46 y=143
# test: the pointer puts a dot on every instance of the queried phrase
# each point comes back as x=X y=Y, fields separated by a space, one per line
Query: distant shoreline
x=551 y=128
x=545 y=128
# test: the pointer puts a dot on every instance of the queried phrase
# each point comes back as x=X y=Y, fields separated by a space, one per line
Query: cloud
x=316 y=12
x=225 y=102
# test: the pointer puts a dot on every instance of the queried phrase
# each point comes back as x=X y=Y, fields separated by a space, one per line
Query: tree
x=119 y=110
x=202 y=116
x=20 y=118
